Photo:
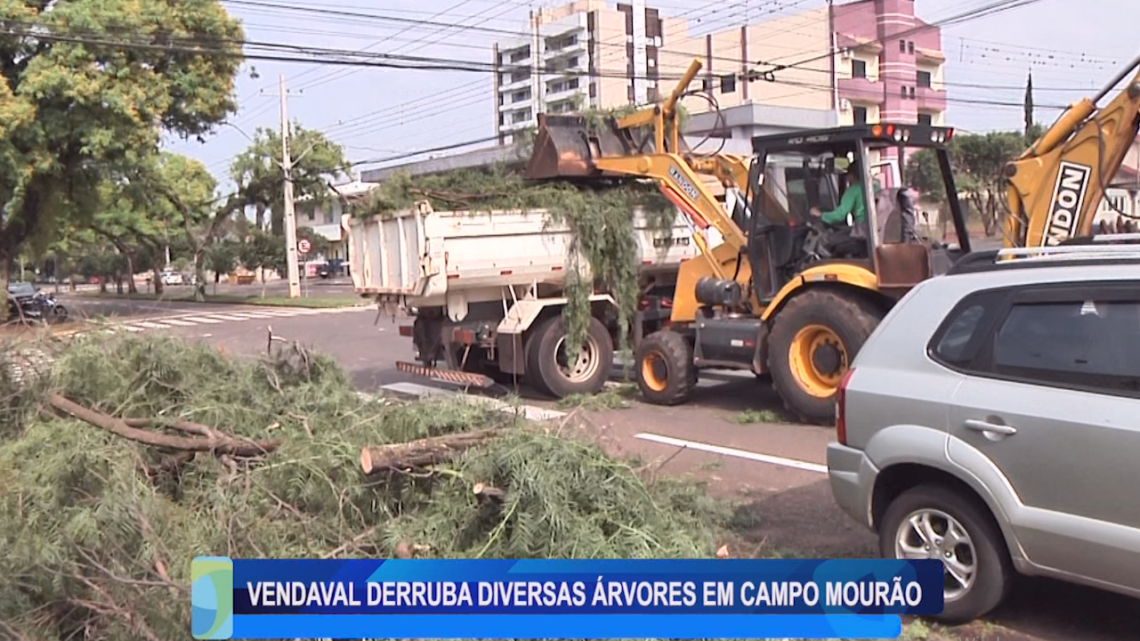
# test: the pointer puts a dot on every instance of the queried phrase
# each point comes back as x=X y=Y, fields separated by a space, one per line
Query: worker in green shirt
x=853 y=203
x=850 y=215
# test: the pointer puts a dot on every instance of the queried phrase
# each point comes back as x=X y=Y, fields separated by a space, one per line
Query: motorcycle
x=36 y=307
x=51 y=310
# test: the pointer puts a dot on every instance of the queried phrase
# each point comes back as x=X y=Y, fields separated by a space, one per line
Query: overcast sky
x=1072 y=47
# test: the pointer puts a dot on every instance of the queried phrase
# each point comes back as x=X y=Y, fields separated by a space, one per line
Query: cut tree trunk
x=422 y=452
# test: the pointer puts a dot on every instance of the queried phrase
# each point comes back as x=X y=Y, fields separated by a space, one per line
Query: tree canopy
x=76 y=110
x=260 y=179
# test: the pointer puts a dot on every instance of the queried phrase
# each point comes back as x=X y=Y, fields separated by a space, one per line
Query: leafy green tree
x=73 y=111
x=263 y=251
x=260 y=179
x=978 y=162
x=221 y=258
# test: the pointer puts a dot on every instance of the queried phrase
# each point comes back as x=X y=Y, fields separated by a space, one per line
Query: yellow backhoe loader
x=787 y=295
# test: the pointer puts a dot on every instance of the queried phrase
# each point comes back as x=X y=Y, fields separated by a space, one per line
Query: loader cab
x=792 y=174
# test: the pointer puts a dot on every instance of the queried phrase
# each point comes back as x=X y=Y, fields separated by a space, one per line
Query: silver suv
x=993 y=421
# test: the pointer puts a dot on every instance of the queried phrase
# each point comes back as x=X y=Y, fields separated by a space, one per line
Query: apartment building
x=839 y=57
x=882 y=76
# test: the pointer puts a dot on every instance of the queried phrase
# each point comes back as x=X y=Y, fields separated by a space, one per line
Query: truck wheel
x=813 y=341
x=936 y=522
x=665 y=370
x=547 y=370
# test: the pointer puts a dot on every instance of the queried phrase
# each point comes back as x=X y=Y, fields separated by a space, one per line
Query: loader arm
x=684 y=188
x=1055 y=187
x=567 y=147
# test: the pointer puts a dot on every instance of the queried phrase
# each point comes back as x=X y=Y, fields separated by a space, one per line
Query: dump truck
x=485 y=291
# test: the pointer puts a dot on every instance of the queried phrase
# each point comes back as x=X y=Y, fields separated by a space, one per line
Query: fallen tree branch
x=217 y=444
x=421 y=452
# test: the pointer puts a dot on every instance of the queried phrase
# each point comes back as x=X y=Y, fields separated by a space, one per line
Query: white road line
x=225 y=317
x=198 y=320
x=251 y=315
x=149 y=325
x=531 y=412
x=180 y=322
x=129 y=328
x=729 y=451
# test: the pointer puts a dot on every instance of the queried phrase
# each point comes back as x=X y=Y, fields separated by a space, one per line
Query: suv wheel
x=935 y=522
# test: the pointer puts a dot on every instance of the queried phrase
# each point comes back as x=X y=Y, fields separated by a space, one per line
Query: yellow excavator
x=1055 y=187
x=786 y=295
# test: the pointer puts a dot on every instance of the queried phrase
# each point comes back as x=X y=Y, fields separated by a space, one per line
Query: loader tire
x=546 y=367
x=811 y=345
x=665 y=370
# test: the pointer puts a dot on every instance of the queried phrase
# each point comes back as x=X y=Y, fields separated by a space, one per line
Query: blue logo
x=212 y=597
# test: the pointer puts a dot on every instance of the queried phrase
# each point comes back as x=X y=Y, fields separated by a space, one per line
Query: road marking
x=531 y=412
x=203 y=319
x=729 y=451
x=148 y=325
x=179 y=322
x=225 y=317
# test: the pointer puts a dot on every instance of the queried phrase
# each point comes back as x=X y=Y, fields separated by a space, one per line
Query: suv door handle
x=995 y=428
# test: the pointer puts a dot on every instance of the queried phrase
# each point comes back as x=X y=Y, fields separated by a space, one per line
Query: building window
x=728 y=83
x=902 y=46
x=924 y=79
x=910 y=47
x=926 y=119
x=860 y=115
x=519 y=76
x=858 y=69
x=911 y=89
x=593 y=90
x=903 y=91
x=522 y=54
x=572 y=62
x=706 y=84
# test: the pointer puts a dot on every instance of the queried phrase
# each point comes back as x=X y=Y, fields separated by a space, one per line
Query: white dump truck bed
x=423 y=253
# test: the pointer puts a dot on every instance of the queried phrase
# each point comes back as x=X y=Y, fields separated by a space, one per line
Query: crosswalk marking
x=178 y=322
x=193 y=320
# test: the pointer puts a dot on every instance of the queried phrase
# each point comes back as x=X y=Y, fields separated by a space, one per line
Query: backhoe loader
x=779 y=297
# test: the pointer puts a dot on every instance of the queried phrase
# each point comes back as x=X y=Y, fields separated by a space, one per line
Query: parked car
x=991 y=421
x=171 y=277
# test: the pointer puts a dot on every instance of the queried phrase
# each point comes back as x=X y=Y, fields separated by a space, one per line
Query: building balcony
x=507 y=85
x=861 y=90
x=930 y=99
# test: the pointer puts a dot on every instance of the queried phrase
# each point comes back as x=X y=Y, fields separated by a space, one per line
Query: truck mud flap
x=445 y=375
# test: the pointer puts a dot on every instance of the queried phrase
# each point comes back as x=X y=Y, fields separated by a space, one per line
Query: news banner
x=559 y=599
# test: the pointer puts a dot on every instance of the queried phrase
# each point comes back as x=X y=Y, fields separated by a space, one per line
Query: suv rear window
x=1089 y=344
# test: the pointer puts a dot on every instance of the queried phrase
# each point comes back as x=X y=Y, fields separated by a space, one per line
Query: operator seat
x=903 y=260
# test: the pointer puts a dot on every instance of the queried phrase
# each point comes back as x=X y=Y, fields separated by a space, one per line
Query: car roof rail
x=1099 y=248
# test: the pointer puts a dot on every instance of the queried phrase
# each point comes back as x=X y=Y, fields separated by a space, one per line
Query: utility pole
x=290 y=215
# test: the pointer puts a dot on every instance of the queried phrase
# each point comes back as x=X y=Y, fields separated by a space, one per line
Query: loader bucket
x=565 y=148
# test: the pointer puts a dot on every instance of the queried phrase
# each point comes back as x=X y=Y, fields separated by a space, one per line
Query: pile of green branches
x=98 y=529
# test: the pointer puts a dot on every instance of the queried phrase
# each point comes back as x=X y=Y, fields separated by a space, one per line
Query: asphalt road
x=777 y=470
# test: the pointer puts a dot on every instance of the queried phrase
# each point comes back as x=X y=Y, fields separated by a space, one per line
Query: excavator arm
x=1055 y=187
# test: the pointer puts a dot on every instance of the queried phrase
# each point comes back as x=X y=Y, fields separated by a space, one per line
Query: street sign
x=304 y=245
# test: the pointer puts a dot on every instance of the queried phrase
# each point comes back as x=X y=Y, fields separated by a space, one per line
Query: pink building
x=890 y=66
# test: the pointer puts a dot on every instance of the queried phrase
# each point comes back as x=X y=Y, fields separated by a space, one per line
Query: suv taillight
x=841 y=407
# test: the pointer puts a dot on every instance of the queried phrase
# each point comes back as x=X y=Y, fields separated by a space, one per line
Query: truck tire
x=666 y=373
x=813 y=340
x=546 y=370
